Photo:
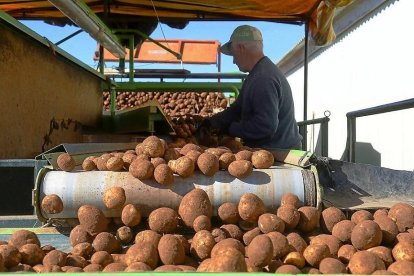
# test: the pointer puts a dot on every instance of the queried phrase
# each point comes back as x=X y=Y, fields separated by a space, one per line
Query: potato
x=384 y=253
x=124 y=234
x=168 y=268
x=315 y=253
x=262 y=159
x=295 y=258
x=114 y=198
x=251 y=267
x=141 y=169
x=296 y=242
x=77 y=261
x=46 y=268
x=270 y=223
x=225 y=244
x=405 y=237
x=361 y=215
x=232 y=231
x=225 y=160
x=289 y=215
x=230 y=260
x=310 y=270
x=380 y=213
x=128 y=158
x=47 y=248
x=202 y=223
x=280 y=245
x=153 y=146
x=131 y=215
x=22 y=237
x=119 y=258
x=52 y=204
x=274 y=264
x=92 y=219
x=147 y=236
x=156 y=161
x=332 y=266
x=171 y=154
x=101 y=161
x=260 y=251
x=66 y=162
x=329 y=217
x=72 y=269
x=202 y=244
x=21 y=268
x=402 y=251
x=382 y=272
x=83 y=249
x=228 y=213
x=402 y=268
x=188 y=147
x=389 y=229
x=288 y=269
x=240 y=168
x=164 y=175
x=163 y=220
x=184 y=242
x=10 y=255
x=208 y=164
x=218 y=234
x=79 y=235
x=144 y=252
x=194 y=204
x=249 y=235
x=31 y=254
x=366 y=234
x=342 y=230
x=251 y=207
x=187 y=268
x=55 y=257
x=244 y=155
x=138 y=267
x=309 y=219
x=105 y=241
x=171 y=250
x=331 y=241
x=364 y=262
x=102 y=258
x=115 y=164
x=183 y=166
x=403 y=215
x=345 y=253
x=217 y=151
x=291 y=199
x=193 y=155
x=114 y=267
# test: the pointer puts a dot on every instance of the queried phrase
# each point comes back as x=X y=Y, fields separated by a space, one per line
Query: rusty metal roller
x=79 y=188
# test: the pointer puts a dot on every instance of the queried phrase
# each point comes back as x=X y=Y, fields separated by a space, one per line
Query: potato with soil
x=332 y=266
x=366 y=234
x=208 y=164
x=115 y=164
x=361 y=215
x=244 y=155
x=331 y=241
x=225 y=244
x=10 y=255
x=101 y=161
x=228 y=213
x=202 y=244
x=403 y=215
x=55 y=257
x=105 y=241
x=22 y=237
x=52 y=204
x=83 y=249
x=309 y=219
x=171 y=250
x=364 y=262
x=114 y=198
x=251 y=207
x=76 y=261
x=21 y=268
x=171 y=154
x=296 y=242
x=291 y=199
x=147 y=236
x=92 y=219
x=295 y=258
x=167 y=268
x=315 y=253
x=202 y=223
x=153 y=147
x=262 y=159
x=115 y=267
x=124 y=234
x=403 y=251
x=183 y=166
x=345 y=253
x=402 y=268
x=329 y=217
x=164 y=175
x=163 y=220
x=389 y=229
x=141 y=169
x=79 y=235
x=249 y=235
x=128 y=158
x=194 y=204
x=384 y=253
x=230 y=260
x=240 y=168
x=31 y=254
x=189 y=147
x=289 y=215
x=280 y=245
x=193 y=155
x=102 y=258
x=88 y=164
x=260 y=251
x=138 y=267
x=343 y=230
x=218 y=234
x=66 y=162
x=145 y=252
x=131 y=215
x=225 y=160
x=288 y=269
x=270 y=223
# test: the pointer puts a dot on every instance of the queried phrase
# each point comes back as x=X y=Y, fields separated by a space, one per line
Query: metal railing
x=324 y=132
x=351 y=121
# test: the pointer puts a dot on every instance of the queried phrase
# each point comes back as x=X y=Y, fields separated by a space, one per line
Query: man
x=263 y=114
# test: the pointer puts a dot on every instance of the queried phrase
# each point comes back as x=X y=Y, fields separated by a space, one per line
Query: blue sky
x=278 y=40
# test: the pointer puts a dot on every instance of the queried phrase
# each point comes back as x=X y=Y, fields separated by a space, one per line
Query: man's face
x=239 y=57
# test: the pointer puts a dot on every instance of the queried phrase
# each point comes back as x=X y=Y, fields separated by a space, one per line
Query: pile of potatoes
x=155 y=159
x=243 y=237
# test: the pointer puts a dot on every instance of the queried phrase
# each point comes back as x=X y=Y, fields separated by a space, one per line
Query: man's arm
x=222 y=120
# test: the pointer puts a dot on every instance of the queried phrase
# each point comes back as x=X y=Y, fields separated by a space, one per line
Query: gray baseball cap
x=241 y=33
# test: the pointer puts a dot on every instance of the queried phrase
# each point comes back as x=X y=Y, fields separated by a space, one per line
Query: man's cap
x=242 y=33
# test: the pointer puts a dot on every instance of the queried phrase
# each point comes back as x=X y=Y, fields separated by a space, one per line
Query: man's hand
x=203 y=133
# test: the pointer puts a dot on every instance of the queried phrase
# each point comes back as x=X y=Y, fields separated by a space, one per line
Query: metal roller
x=79 y=188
